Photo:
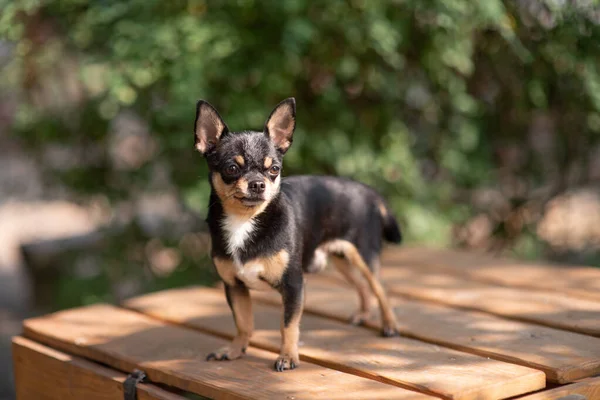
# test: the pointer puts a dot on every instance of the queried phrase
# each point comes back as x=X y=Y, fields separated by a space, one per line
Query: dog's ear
x=281 y=124
x=209 y=127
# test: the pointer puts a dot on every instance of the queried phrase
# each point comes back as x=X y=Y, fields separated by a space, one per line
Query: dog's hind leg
x=364 y=292
x=351 y=253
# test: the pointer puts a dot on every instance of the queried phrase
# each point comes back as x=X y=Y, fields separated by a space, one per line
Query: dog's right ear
x=209 y=127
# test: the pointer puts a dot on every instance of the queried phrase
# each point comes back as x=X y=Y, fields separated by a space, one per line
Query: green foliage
x=413 y=97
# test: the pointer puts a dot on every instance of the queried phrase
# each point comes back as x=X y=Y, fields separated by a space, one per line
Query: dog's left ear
x=281 y=124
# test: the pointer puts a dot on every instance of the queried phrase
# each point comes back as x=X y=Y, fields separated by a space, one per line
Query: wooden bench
x=474 y=327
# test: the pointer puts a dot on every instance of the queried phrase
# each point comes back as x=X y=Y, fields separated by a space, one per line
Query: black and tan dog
x=267 y=231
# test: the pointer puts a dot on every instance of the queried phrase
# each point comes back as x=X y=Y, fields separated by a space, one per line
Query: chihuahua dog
x=267 y=231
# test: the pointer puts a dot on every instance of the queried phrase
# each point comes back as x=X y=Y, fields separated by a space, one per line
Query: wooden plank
x=590 y=388
x=175 y=356
x=541 y=307
x=42 y=373
x=574 y=280
x=400 y=361
x=563 y=356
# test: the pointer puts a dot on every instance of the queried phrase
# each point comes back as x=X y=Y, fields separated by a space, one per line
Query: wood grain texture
x=541 y=307
x=42 y=373
x=577 y=281
x=590 y=388
x=563 y=356
x=175 y=356
x=399 y=361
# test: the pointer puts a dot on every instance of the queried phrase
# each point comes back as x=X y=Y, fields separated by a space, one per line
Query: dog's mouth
x=251 y=201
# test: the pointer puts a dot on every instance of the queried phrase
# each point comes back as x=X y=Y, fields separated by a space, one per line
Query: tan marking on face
x=229 y=194
x=268 y=162
x=223 y=190
x=382 y=209
x=225 y=269
x=240 y=160
x=241 y=186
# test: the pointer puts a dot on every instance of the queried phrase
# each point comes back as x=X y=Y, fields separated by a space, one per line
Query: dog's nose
x=257 y=187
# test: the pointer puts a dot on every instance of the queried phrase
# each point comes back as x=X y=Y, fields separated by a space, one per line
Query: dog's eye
x=232 y=170
x=274 y=170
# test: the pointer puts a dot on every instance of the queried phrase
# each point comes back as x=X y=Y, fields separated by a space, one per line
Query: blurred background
x=478 y=120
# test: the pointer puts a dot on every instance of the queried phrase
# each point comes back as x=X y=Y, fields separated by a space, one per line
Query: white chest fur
x=237 y=233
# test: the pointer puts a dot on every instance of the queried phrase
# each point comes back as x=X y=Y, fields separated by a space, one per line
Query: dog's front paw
x=284 y=362
x=226 y=353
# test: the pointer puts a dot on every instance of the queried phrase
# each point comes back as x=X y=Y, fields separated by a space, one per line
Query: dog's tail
x=391 y=229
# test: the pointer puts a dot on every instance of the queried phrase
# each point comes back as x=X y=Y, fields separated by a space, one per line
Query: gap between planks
x=175 y=356
x=418 y=365
x=563 y=356
x=546 y=308
x=590 y=388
